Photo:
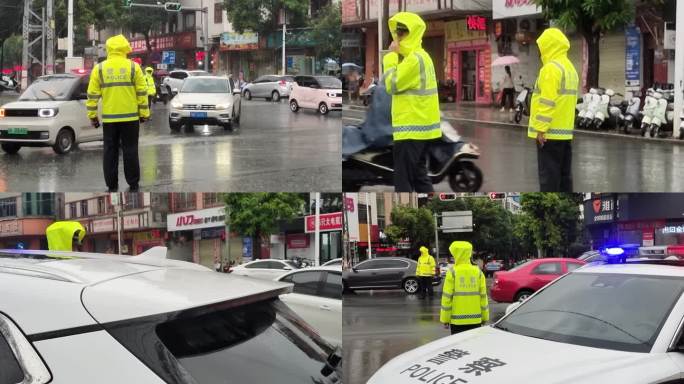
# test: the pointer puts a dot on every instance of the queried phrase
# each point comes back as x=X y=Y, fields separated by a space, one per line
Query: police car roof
x=637 y=266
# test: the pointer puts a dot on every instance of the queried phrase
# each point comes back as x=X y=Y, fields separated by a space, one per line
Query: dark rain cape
x=375 y=131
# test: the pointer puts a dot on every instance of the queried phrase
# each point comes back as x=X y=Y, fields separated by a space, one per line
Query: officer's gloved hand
x=95 y=123
x=143 y=119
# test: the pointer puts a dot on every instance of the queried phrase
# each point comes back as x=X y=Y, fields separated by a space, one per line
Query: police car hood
x=491 y=356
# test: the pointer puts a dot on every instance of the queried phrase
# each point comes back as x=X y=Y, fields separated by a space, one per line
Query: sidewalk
x=473 y=113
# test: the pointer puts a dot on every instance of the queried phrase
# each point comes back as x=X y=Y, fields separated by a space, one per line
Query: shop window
x=84 y=208
x=101 y=205
x=212 y=199
x=38 y=204
x=189 y=21
x=72 y=210
x=8 y=207
x=184 y=201
x=218 y=13
x=134 y=201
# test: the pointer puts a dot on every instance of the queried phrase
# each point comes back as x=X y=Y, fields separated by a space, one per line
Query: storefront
x=469 y=58
x=649 y=219
x=297 y=239
x=183 y=46
x=136 y=236
x=200 y=236
x=27 y=233
x=240 y=52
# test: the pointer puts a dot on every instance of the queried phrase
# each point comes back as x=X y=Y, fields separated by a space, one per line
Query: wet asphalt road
x=509 y=160
x=272 y=150
x=380 y=325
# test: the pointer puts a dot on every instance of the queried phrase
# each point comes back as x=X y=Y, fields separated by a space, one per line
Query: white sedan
x=613 y=323
x=50 y=113
x=77 y=318
x=267 y=269
x=209 y=100
x=317 y=298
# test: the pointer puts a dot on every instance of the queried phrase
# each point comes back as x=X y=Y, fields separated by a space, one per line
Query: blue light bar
x=614 y=251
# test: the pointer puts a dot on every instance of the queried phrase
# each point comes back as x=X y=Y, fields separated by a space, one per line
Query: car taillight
x=2 y=112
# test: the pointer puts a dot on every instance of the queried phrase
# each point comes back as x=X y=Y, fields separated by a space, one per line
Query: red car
x=520 y=282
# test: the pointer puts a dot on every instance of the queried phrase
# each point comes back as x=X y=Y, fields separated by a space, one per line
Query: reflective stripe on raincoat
x=426 y=263
x=412 y=83
x=60 y=235
x=464 y=295
x=555 y=94
x=120 y=83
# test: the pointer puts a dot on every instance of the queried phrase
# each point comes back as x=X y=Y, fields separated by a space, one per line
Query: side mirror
x=513 y=307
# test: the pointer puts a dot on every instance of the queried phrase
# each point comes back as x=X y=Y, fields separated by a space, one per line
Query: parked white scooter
x=582 y=109
x=631 y=113
x=592 y=107
x=650 y=105
x=602 y=109
x=659 y=115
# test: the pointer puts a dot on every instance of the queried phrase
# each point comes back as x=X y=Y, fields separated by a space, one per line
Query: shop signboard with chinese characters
x=204 y=218
x=632 y=58
x=476 y=23
x=10 y=228
x=103 y=225
x=351 y=208
x=502 y=9
x=458 y=30
x=599 y=210
x=297 y=241
x=178 y=41
x=233 y=41
x=327 y=222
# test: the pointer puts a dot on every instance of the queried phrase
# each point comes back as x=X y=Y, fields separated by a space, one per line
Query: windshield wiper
x=49 y=94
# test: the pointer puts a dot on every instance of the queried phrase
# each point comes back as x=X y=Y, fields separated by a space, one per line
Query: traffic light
x=497 y=195
x=447 y=196
x=127 y=3
x=172 y=7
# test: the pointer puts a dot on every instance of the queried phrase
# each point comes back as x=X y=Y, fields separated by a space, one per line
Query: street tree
x=552 y=220
x=257 y=214
x=327 y=31
x=492 y=226
x=144 y=21
x=262 y=15
x=416 y=224
x=591 y=19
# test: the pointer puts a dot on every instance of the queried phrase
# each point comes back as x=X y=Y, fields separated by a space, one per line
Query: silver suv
x=270 y=87
x=175 y=78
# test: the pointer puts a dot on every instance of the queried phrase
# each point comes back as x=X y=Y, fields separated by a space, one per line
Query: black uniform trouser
x=555 y=166
x=425 y=286
x=462 y=328
x=410 y=166
x=122 y=135
x=508 y=98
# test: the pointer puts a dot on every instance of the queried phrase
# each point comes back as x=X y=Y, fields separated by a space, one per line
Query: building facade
x=24 y=218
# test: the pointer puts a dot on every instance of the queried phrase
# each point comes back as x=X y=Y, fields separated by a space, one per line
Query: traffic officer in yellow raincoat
x=464 y=295
x=121 y=85
x=409 y=77
x=151 y=89
x=65 y=236
x=552 y=118
x=425 y=270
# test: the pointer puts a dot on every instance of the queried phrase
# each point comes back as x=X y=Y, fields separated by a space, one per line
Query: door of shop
x=470 y=69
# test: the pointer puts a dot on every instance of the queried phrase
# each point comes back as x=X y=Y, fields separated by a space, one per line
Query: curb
x=448 y=116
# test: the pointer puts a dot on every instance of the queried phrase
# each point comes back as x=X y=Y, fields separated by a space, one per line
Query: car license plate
x=18 y=131
x=198 y=114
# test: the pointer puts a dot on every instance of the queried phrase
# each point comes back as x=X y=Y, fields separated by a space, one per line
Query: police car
x=71 y=317
x=50 y=113
x=602 y=323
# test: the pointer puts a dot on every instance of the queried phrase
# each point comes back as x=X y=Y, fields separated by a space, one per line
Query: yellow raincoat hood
x=416 y=27
x=424 y=251
x=149 y=70
x=461 y=251
x=118 y=46
x=552 y=45
x=61 y=233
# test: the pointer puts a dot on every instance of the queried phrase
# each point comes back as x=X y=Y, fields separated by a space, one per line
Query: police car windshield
x=610 y=311
x=47 y=88
x=205 y=85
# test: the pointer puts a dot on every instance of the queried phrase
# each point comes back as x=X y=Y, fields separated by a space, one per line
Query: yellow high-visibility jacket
x=149 y=80
x=60 y=235
x=426 y=263
x=555 y=94
x=412 y=82
x=120 y=83
x=464 y=295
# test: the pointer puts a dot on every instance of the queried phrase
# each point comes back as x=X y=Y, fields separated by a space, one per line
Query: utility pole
x=226 y=259
x=368 y=224
x=679 y=67
x=70 y=29
x=284 y=32
x=50 y=38
x=436 y=235
x=317 y=241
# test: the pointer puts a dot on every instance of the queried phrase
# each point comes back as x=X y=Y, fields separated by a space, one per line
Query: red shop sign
x=327 y=222
x=476 y=23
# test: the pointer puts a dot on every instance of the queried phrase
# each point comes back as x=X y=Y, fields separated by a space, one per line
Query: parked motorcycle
x=8 y=83
x=367 y=157
x=647 y=112
x=522 y=104
x=631 y=114
x=592 y=102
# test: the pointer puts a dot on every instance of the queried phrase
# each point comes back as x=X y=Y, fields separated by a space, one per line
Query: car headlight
x=331 y=94
x=176 y=104
x=48 y=112
x=222 y=106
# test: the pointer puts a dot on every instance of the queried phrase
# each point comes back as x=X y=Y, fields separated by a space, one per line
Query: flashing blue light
x=614 y=251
